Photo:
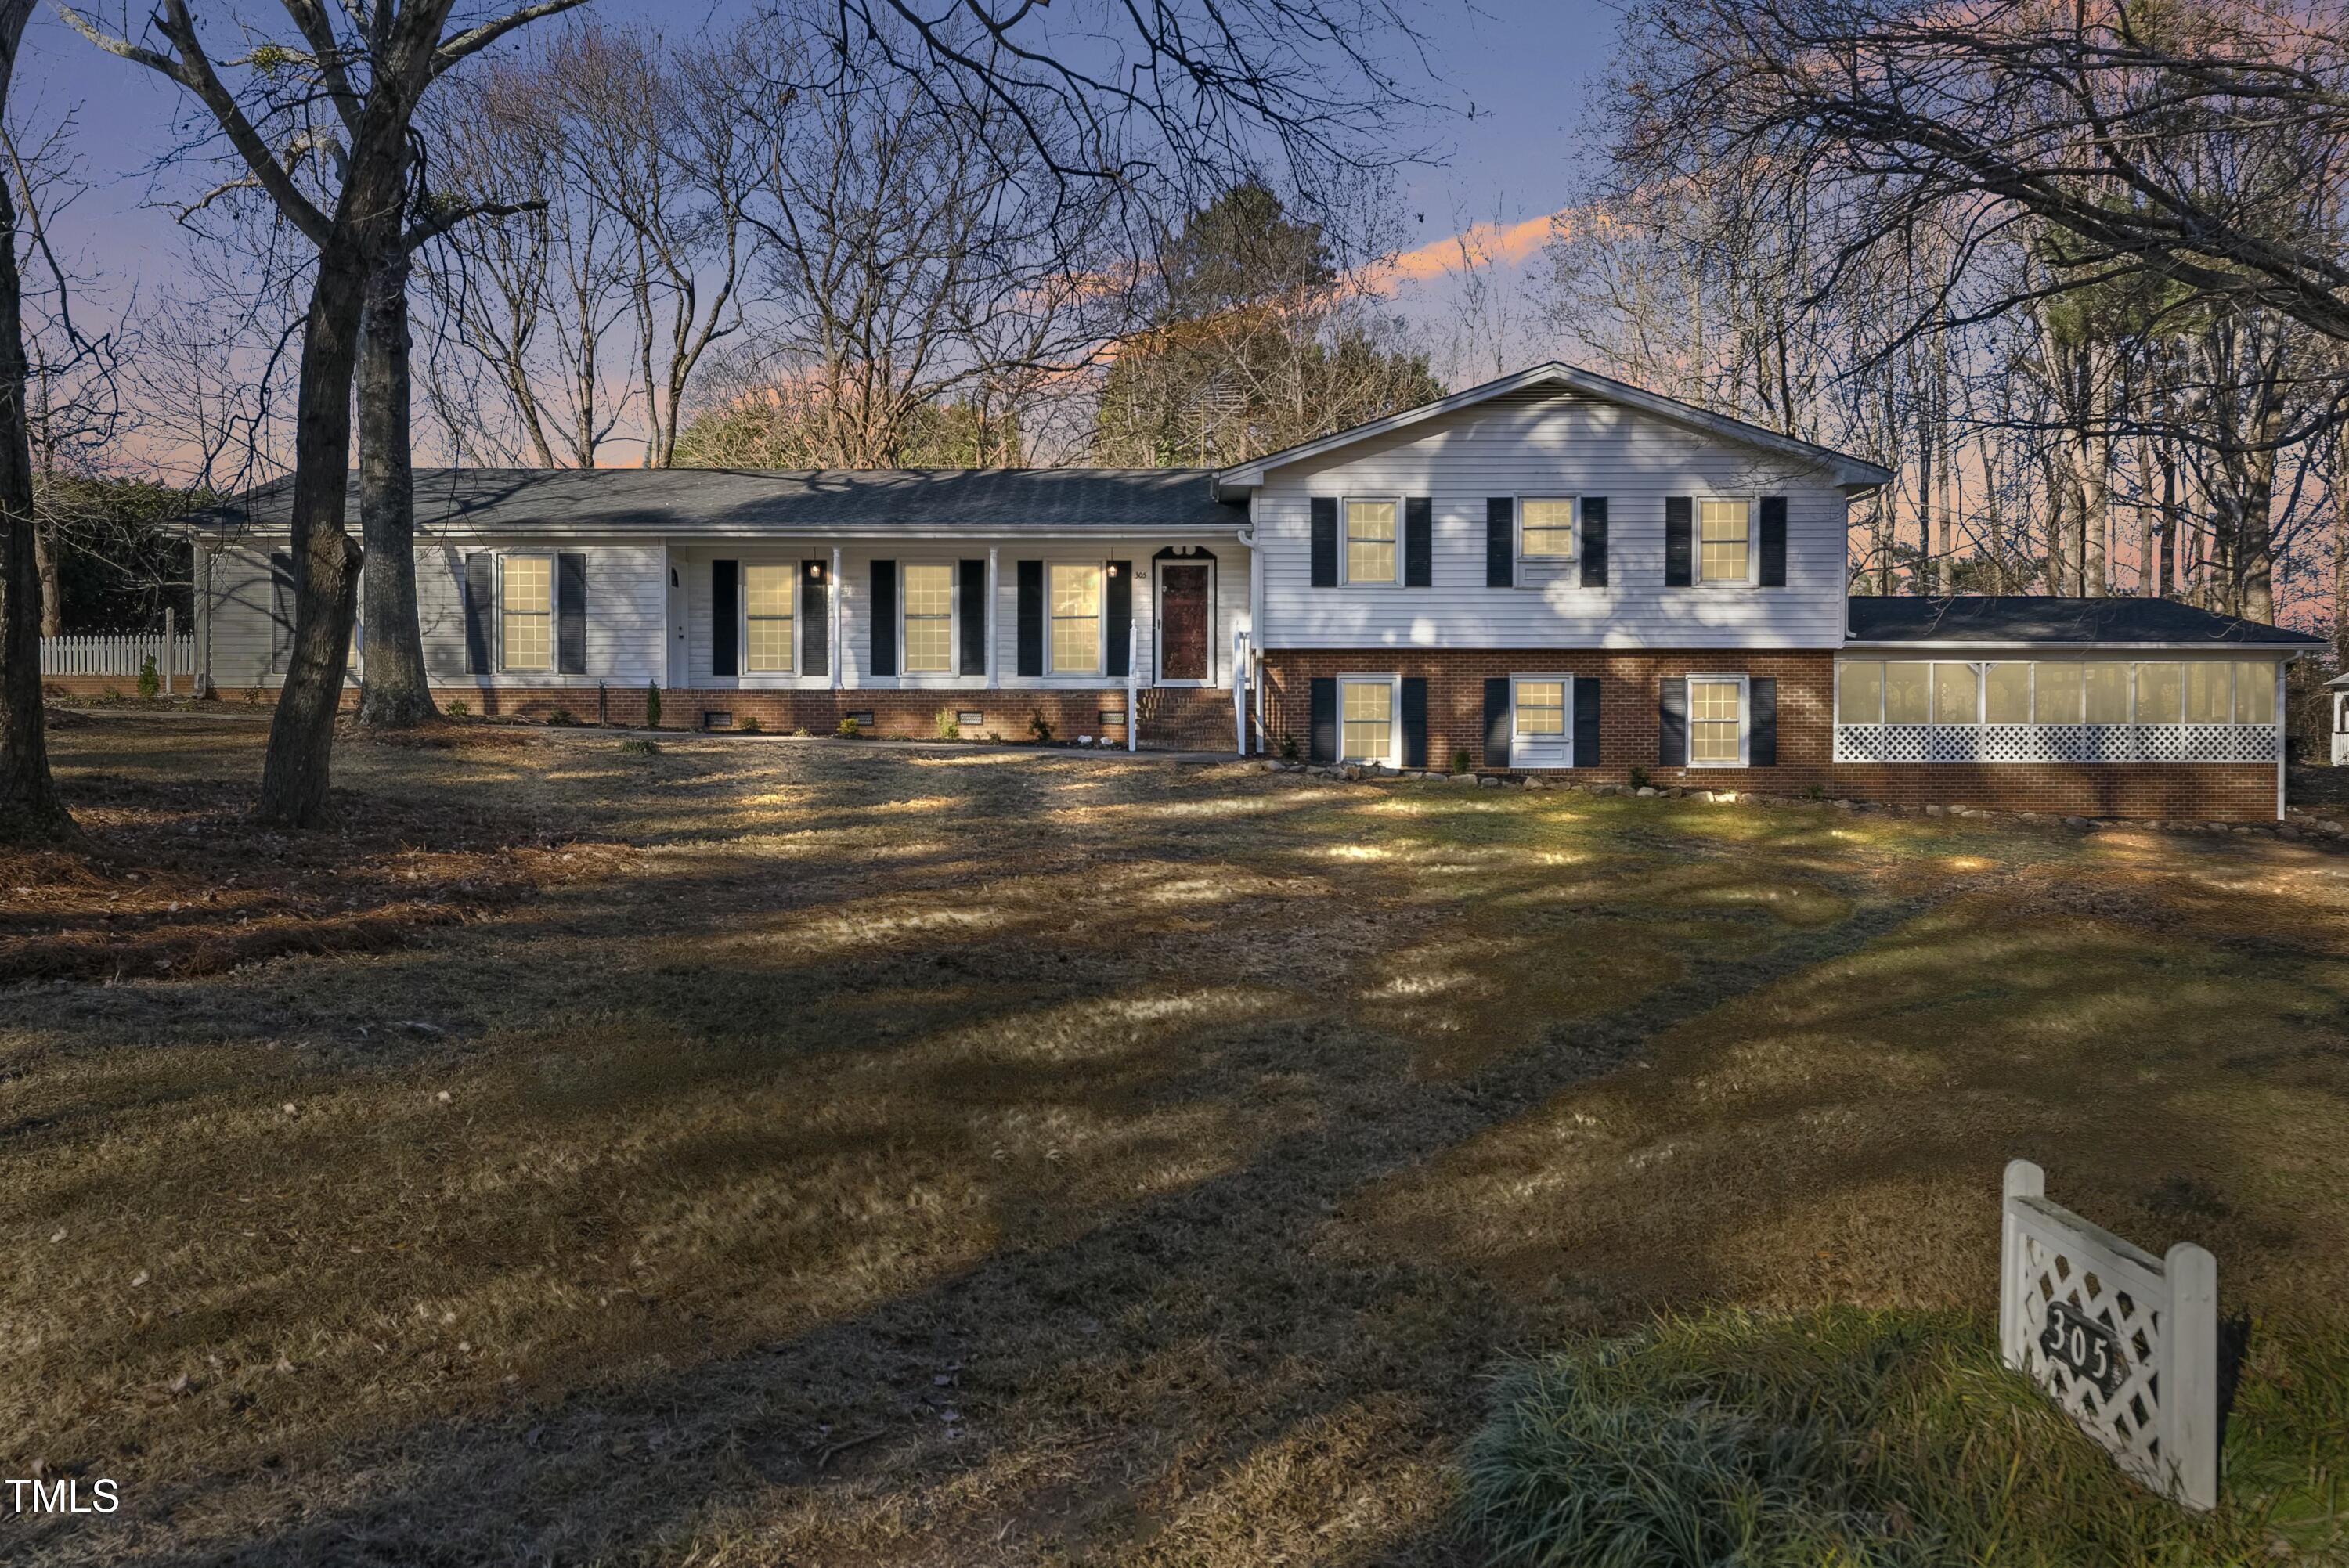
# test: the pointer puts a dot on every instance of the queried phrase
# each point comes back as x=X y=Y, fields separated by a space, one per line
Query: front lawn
x=814 y=1152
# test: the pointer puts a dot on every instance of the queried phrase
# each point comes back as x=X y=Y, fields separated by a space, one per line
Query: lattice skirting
x=2057 y=743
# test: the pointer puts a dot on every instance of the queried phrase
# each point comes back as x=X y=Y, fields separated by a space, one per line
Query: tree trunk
x=2167 y=534
x=2341 y=549
x=395 y=692
x=2096 y=514
x=30 y=810
x=326 y=560
x=49 y=567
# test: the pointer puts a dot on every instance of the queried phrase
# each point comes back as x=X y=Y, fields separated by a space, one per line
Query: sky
x=1515 y=70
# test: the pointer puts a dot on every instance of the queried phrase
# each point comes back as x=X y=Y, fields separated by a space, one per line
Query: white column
x=994 y=585
x=1133 y=683
x=832 y=604
x=1239 y=693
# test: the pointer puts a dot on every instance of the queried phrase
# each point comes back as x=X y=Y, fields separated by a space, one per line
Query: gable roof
x=565 y=502
x=1851 y=473
x=1976 y=619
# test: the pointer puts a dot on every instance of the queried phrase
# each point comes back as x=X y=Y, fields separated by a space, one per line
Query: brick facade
x=1629 y=726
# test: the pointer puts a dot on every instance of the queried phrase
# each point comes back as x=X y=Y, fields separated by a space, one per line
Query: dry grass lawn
x=802 y=1152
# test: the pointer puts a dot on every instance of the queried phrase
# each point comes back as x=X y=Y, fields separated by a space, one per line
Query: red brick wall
x=1627 y=735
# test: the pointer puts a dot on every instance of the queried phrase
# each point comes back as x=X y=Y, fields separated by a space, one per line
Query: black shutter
x=1679 y=550
x=570 y=613
x=1325 y=541
x=1671 y=724
x=1500 y=542
x=973 y=608
x=1418 y=542
x=1497 y=721
x=1586 y=721
x=1761 y=723
x=1321 y=746
x=1031 y=617
x=1119 y=608
x=1774 y=541
x=1594 y=541
x=725 y=618
x=1414 y=722
x=884 y=615
x=815 y=620
x=481 y=583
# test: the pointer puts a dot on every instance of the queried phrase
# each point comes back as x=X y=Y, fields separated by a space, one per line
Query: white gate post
x=2190 y=1376
x=2024 y=1179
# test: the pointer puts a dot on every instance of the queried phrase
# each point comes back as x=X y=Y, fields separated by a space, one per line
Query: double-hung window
x=1541 y=709
x=929 y=590
x=1724 y=541
x=1546 y=528
x=526 y=612
x=1716 y=721
x=767 y=593
x=1076 y=617
x=1367 y=714
x=1370 y=553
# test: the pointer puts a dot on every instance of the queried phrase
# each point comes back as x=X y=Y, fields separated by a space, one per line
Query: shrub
x=1639 y=778
x=849 y=728
x=802 y=730
x=1854 y=1437
x=1039 y=727
x=640 y=747
x=948 y=729
x=457 y=708
x=561 y=719
x=1289 y=750
x=749 y=727
x=151 y=683
x=652 y=706
x=1461 y=762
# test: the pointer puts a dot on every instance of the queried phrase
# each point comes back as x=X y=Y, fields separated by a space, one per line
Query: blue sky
x=1524 y=64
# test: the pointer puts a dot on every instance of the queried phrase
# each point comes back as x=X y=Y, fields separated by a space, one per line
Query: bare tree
x=347 y=194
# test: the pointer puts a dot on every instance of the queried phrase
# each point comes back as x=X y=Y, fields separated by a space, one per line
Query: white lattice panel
x=2054 y=743
x=2125 y=1343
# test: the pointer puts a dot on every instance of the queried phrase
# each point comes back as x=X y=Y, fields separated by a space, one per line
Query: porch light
x=1112 y=569
x=815 y=570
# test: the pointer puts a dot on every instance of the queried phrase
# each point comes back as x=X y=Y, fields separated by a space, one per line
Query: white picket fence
x=123 y=655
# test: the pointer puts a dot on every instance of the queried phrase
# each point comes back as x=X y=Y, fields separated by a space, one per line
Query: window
x=1722 y=542
x=2007 y=695
x=2057 y=700
x=2160 y=694
x=2254 y=692
x=1859 y=694
x=1546 y=528
x=1956 y=694
x=2209 y=693
x=929 y=620
x=1716 y=721
x=1541 y=708
x=1368 y=711
x=2108 y=688
x=1908 y=692
x=1076 y=618
x=767 y=619
x=526 y=603
x=1371 y=541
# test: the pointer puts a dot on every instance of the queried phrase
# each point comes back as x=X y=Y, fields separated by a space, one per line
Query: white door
x=676 y=643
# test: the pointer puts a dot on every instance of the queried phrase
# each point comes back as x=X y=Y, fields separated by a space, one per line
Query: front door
x=1187 y=592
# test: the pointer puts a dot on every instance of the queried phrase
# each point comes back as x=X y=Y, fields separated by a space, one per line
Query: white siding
x=1551 y=443
x=855 y=654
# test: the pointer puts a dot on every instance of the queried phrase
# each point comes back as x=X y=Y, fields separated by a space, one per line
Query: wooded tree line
x=2077 y=271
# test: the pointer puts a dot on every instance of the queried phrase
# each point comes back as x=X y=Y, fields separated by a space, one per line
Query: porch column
x=993 y=583
x=832 y=604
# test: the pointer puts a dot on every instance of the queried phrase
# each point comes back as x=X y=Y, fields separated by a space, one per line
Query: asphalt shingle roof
x=566 y=501
x=2030 y=618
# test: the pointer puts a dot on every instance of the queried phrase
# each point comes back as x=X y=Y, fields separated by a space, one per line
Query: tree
x=349 y=197
x=30 y=809
x=1256 y=341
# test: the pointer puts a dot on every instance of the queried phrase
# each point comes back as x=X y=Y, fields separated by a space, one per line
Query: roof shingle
x=2031 y=618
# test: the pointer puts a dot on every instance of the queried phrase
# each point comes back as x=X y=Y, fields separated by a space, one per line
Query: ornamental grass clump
x=1860 y=1437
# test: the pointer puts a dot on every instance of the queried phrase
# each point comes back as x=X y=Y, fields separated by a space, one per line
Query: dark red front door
x=1182 y=593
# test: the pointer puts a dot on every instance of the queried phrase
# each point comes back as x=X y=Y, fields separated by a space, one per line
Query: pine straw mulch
x=178 y=880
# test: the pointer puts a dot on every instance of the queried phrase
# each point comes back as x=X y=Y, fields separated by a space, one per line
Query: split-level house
x=1552 y=571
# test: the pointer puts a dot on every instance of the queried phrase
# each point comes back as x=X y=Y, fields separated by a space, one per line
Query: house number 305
x=2083 y=1346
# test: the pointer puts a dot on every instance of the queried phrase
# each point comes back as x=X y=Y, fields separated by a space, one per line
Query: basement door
x=1186 y=612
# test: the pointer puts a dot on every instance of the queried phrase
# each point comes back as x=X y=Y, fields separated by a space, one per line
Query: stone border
x=2298 y=825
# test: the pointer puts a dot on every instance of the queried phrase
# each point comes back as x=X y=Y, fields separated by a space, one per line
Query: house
x=1554 y=570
